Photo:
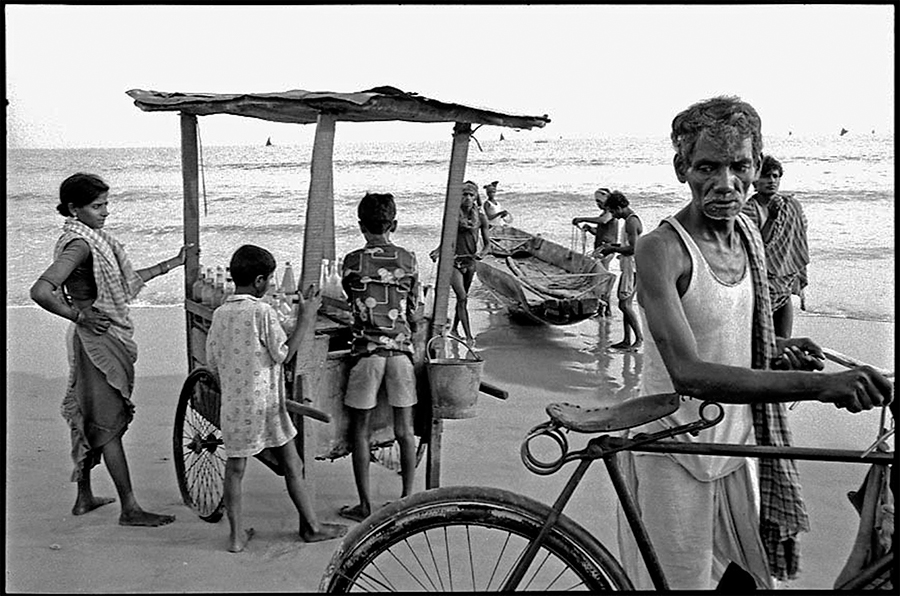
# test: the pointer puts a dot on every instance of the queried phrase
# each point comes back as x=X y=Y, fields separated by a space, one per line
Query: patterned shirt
x=381 y=282
x=246 y=347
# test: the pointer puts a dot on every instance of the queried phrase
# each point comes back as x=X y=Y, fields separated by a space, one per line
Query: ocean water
x=257 y=194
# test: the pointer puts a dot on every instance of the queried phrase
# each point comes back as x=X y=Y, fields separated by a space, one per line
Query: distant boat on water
x=844 y=131
x=501 y=137
x=269 y=142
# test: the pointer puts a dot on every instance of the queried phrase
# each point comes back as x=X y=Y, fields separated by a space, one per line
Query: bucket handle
x=474 y=357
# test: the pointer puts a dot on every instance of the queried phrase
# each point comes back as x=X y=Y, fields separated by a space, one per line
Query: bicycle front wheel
x=461 y=538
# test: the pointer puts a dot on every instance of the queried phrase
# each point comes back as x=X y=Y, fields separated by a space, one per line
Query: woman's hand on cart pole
x=182 y=253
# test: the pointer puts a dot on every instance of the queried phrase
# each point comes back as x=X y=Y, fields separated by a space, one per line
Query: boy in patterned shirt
x=381 y=283
x=246 y=348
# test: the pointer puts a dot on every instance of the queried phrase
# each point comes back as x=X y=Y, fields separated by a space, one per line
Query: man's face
x=600 y=198
x=720 y=175
x=768 y=183
x=469 y=193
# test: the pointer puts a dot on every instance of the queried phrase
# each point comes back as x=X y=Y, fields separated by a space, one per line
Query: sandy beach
x=49 y=550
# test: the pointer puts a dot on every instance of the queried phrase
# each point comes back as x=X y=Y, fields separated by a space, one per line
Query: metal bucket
x=454 y=382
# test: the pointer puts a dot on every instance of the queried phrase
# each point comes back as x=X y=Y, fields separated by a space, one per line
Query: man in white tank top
x=706 y=312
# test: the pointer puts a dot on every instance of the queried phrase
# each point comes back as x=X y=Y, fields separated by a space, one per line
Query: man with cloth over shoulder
x=782 y=225
x=705 y=305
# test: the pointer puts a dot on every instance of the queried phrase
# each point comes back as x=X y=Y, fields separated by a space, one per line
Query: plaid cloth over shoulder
x=783 y=513
x=787 y=250
x=117 y=281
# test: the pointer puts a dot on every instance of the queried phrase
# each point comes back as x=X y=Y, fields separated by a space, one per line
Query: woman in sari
x=90 y=282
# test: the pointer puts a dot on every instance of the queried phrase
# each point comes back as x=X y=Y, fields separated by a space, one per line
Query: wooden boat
x=543 y=281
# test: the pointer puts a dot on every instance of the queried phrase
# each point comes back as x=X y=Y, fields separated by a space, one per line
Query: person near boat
x=382 y=286
x=91 y=283
x=705 y=304
x=619 y=207
x=496 y=215
x=782 y=224
x=605 y=229
x=472 y=224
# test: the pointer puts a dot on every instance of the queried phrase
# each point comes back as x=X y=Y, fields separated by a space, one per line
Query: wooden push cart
x=317 y=377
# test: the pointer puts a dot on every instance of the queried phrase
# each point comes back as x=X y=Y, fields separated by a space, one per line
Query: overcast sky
x=595 y=70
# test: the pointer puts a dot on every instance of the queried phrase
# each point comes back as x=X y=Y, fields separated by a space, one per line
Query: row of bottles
x=330 y=279
x=213 y=286
x=282 y=297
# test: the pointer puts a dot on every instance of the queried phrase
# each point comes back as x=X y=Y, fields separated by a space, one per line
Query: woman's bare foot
x=238 y=543
x=83 y=506
x=636 y=345
x=144 y=518
x=622 y=345
x=327 y=531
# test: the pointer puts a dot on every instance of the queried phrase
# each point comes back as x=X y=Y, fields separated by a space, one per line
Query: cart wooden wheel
x=198 y=446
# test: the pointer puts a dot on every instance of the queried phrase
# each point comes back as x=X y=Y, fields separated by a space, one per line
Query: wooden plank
x=458 y=155
x=308 y=370
x=190 y=175
x=318 y=238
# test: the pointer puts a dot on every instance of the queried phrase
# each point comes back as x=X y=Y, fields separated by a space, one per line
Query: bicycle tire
x=425 y=542
x=198 y=446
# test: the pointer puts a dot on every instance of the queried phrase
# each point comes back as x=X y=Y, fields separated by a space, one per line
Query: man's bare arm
x=660 y=261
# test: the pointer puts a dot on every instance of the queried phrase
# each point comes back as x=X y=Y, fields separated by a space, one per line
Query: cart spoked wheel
x=389 y=455
x=198 y=446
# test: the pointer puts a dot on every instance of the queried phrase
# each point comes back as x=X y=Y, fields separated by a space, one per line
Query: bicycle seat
x=616 y=416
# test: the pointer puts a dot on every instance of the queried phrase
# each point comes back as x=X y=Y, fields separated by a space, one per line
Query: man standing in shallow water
x=705 y=303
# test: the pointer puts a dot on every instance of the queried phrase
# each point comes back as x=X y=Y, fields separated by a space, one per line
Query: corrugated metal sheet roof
x=303 y=107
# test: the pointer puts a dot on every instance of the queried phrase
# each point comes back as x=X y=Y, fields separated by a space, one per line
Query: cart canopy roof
x=303 y=107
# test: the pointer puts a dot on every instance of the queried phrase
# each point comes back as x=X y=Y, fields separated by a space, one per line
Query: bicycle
x=485 y=538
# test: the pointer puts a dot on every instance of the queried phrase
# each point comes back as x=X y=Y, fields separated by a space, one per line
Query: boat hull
x=541 y=281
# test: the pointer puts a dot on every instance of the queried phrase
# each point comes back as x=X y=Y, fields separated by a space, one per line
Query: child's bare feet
x=83 y=506
x=327 y=531
x=239 y=542
x=355 y=512
x=144 y=518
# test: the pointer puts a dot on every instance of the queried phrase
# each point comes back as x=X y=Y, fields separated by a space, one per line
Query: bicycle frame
x=608 y=447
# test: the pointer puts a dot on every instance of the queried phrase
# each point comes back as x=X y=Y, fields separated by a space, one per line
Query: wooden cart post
x=461 y=133
x=318 y=243
x=190 y=173
x=318 y=237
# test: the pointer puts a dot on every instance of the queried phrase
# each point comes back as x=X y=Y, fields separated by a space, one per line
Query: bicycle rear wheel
x=468 y=538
